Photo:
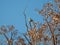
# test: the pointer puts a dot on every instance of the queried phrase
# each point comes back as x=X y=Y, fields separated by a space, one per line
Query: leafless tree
x=48 y=32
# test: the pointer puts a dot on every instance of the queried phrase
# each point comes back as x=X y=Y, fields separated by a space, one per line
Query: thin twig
x=27 y=39
x=25 y=19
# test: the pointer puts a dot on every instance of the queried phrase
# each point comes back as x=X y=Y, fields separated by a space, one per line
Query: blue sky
x=11 y=12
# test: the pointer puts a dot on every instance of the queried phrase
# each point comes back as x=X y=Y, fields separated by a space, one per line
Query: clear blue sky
x=11 y=12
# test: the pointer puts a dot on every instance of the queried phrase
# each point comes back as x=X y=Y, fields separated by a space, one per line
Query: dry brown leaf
x=59 y=6
x=57 y=0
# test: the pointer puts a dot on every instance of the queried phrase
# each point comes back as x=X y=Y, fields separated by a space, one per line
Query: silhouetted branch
x=25 y=19
x=27 y=39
